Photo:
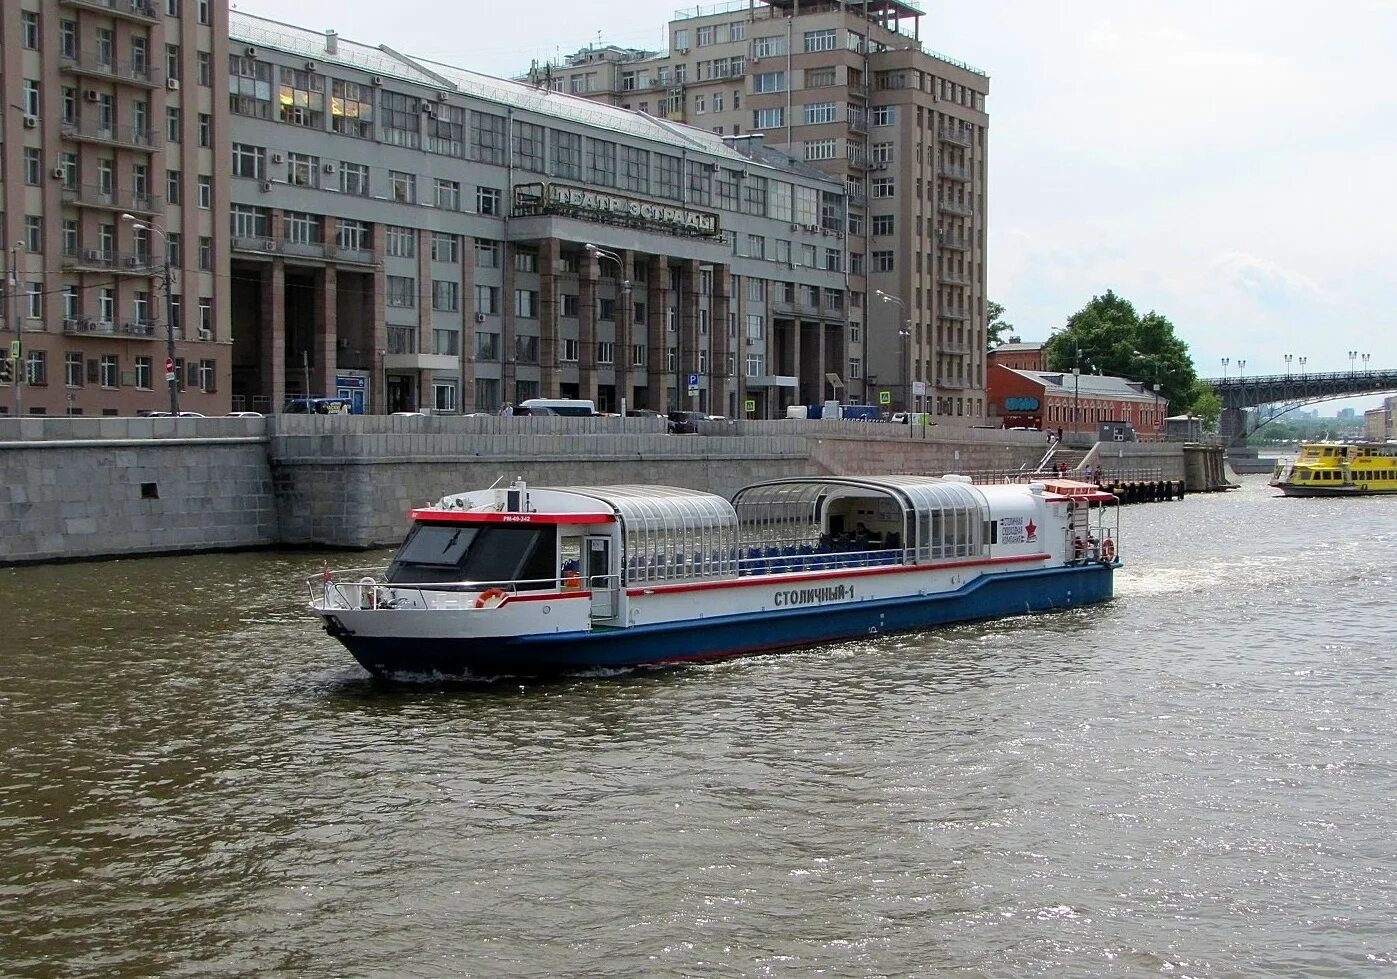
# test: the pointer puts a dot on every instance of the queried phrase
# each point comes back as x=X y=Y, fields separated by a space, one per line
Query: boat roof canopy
x=915 y=494
x=651 y=507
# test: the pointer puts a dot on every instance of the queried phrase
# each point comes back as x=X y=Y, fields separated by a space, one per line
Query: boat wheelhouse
x=525 y=580
x=1339 y=469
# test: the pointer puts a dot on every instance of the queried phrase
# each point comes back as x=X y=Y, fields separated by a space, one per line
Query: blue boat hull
x=990 y=596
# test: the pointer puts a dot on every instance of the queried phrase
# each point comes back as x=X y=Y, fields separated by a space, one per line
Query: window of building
x=108 y=371
x=302 y=170
x=567 y=155
x=820 y=40
x=884 y=115
x=403 y=186
x=526 y=303
x=446 y=130
x=33 y=165
x=301 y=228
x=769 y=81
x=249 y=161
x=525 y=350
x=401 y=118
x=772 y=118
x=821 y=149
x=402 y=291
x=33 y=233
x=882 y=261
x=601 y=162
x=819 y=112
x=487 y=253
x=205 y=193
x=73 y=369
x=487 y=200
x=31 y=97
x=401 y=242
x=488 y=138
x=528 y=146
x=29 y=29
x=820 y=77
x=567 y=350
x=446 y=296
x=448 y=194
x=487 y=300
x=355 y=236
x=882 y=224
x=487 y=346
x=301 y=95
x=445 y=248
x=354 y=179
x=444 y=396
x=882 y=187
x=525 y=259
x=351 y=109
x=635 y=169
x=667 y=176
x=207 y=375
x=769 y=47
x=249 y=85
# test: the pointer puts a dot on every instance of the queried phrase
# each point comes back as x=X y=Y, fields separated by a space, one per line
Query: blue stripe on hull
x=988 y=597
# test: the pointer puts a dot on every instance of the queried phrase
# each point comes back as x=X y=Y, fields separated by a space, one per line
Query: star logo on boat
x=1031 y=529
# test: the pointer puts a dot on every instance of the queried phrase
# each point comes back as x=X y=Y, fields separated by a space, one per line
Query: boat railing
x=367 y=588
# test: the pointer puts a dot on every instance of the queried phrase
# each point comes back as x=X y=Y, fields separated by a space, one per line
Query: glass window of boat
x=437 y=553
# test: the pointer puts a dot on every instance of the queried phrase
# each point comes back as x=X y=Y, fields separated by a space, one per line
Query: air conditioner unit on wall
x=206 y=334
x=172 y=84
x=57 y=173
x=277 y=158
x=250 y=51
x=31 y=122
x=480 y=317
x=92 y=95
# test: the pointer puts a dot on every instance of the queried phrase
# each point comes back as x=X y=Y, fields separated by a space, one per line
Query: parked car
x=685 y=422
x=166 y=414
x=318 y=406
x=243 y=414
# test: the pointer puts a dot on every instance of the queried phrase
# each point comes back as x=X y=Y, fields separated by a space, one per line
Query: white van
x=557 y=406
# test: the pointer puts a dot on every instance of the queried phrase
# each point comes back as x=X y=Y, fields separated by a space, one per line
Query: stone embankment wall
x=101 y=487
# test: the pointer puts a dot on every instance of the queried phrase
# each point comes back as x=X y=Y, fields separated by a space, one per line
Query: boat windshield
x=442 y=553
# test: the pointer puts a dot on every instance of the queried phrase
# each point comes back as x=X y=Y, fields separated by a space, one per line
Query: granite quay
x=73 y=488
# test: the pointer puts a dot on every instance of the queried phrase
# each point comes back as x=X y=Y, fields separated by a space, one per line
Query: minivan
x=574 y=407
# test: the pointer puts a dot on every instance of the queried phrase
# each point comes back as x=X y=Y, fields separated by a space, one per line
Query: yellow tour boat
x=1339 y=469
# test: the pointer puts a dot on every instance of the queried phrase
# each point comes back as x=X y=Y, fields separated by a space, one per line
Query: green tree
x=1107 y=336
x=995 y=325
x=1205 y=405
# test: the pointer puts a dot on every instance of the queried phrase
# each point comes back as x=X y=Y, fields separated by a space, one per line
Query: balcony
x=127 y=136
x=954 y=173
x=959 y=348
x=106 y=328
x=89 y=195
x=256 y=246
x=97 y=260
x=952 y=279
x=953 y=241
x=302 y=249
x=951 y=383
x=352 y=256
x=955 y=207
x=953 y=313
x=956 y=136
x=141 y=11
x=90 y=65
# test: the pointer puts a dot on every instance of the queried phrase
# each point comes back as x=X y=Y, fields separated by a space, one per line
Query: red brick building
x=1056 y=400
x=1019 y=356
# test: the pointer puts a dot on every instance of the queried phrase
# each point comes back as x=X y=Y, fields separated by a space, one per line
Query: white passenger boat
x=525 y=580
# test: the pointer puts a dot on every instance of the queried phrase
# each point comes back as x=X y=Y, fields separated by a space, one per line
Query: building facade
x=1071 y=404
x=422 y=237
x=847 y=86
x=113 y=134
x=1018 y=355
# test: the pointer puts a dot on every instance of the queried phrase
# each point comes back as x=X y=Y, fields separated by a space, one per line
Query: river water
x=1194 y=780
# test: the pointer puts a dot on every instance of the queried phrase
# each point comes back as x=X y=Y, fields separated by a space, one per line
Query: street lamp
x=1352 y=356
x=624 y=313
x=1241 y=366
x=1077 y=393
x=1225 y=362
x=904 y=333
x=169 y=312
x=1365 y=362
x=1287 y=366
x=1302 y=361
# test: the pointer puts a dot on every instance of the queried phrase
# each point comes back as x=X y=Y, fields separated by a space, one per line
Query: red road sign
x=169 y=364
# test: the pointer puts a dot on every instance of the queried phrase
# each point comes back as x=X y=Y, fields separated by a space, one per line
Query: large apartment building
x=113 y=165
x=847 y=86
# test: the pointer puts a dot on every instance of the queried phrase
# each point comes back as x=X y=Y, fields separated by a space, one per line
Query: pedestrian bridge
x=1279 y=394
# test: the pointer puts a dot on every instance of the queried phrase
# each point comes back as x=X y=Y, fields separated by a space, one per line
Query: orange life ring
x=489 y=595
x=1108 y=550
x=571 y=580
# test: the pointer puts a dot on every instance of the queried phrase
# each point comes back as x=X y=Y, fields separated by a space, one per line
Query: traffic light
x=7 y=370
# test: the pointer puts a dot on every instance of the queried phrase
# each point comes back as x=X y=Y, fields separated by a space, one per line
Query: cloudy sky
x=1231 y=164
